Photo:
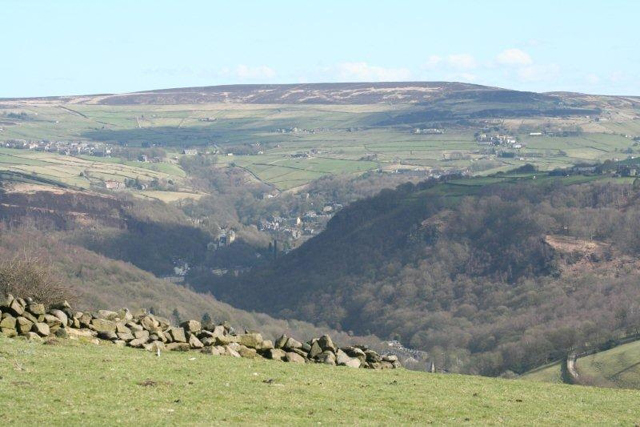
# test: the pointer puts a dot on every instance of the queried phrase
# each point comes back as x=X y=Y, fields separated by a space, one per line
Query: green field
x=85 y=171
x=73 y=383
x=346 y=139
x=551 y=373
x=618 y=367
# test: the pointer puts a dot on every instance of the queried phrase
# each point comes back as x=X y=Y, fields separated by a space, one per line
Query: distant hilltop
x=308 y=93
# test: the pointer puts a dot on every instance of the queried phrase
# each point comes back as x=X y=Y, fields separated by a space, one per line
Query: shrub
x=27 y=277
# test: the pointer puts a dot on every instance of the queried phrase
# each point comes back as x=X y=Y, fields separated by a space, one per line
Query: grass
x=83 y=171
x=551 y=373
x=346 y=137
x=618 y=367
x=73 y=383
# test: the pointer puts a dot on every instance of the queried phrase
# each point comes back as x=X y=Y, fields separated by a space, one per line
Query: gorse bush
x=28 y=277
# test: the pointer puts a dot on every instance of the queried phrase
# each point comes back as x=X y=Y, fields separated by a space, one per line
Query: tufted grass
x=72 y=383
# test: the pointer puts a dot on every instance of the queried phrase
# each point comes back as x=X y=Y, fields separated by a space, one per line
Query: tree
x=206 y=319
x=176 y=316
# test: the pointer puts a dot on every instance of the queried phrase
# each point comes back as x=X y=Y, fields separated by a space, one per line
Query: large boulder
x=41 y=329
x=230 y=351
x=355 y=352
x=32 y=336
x=61 y=315
x=16 y=307
x=342 y=357
x=23 y=325
x=282 y=341
x=125 y=315
x=208 y=341
x=194 y=342
x=103 y=325
x=52 y=321
x=154 y=346
x=36 y=309
x=327 y=357
x=192 y=326
x=212 y=350
x=107 y=315
x=85 y=320
x=292 y=343
x=177 y=335
x=353 y=363
x=137 y=343
x=8 y=332
x=31 y=317
x=246 y=352
x=122 y=328
x=252 y=340
x=294 y=358
x=219 y=331
x=315 y=350
x=8 y=321
x=226 y=340
x=326 y=343
x=134 y=326
x=81 y=333
x=144 y=334
x=149 y=323
x=125 y=336
x=372 y=356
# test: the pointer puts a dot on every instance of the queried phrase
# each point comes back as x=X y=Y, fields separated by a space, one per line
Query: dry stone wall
x=20 y=317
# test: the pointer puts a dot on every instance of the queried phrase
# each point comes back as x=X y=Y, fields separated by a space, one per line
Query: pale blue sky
x=66 y=47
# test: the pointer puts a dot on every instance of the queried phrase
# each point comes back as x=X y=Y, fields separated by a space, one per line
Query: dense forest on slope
x=485 y=277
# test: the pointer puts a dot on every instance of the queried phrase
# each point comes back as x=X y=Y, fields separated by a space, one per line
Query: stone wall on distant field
x=20 y=317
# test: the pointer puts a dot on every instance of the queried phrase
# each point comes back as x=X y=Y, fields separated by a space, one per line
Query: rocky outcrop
x=20 y=317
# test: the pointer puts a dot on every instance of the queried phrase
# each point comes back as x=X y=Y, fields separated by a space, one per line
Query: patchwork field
x=75 y=383
x=289 y=145
x=85 y=171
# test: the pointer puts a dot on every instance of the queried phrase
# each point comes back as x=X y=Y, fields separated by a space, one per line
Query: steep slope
x=618 y=367
x=467 y=270
x=103 y=283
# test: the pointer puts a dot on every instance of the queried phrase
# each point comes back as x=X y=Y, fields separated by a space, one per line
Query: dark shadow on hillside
x=160 y=136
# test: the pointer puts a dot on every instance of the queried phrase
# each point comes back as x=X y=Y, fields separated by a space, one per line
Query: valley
x=371 y=210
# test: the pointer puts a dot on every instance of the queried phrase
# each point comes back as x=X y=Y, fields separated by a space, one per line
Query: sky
x=67 y=47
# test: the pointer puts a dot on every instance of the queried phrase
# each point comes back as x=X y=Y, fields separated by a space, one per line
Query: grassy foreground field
x=74 y=383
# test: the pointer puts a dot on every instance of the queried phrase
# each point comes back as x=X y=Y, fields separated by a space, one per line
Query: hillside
x=103 y=283
x=486 y=274
x=617 y=367
x=287 y=136
x=309 y=93
x=56 y=384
